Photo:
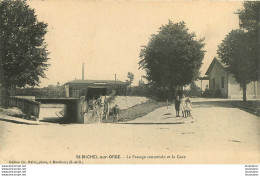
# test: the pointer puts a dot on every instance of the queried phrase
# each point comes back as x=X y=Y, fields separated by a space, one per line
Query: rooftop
x=78 y=81
x=215 y=60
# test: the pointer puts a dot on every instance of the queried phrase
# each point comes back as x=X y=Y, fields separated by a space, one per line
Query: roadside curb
x=175 y=121
x=19 y=120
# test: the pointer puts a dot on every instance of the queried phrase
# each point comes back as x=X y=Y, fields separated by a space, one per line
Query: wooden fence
x=29 y=107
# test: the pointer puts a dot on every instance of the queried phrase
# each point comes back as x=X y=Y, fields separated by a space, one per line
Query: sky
x=108 y=35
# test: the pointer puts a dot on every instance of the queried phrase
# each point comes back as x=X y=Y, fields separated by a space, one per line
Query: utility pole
x=2 y=97
x=83 y=67
x=1 y=56
x=258 y=37
x=201 y=86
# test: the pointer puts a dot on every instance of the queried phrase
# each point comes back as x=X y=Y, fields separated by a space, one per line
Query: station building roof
x=96 y=82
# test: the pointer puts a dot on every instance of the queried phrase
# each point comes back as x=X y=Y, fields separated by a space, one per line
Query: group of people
x=101 y=108
x=183 y=105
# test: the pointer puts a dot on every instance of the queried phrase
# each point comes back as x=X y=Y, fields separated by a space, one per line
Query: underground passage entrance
x=52 y=113
x=71 y=112
x=95 y=92
x=91 y=108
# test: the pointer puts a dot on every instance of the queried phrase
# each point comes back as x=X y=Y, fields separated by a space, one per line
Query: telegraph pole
x=2 y=98
x=83 y=67
x=1 y=56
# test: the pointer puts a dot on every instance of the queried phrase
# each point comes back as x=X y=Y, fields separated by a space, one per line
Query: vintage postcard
x=129 y=82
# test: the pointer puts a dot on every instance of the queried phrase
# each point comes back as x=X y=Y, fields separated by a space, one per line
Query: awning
x=204 y=78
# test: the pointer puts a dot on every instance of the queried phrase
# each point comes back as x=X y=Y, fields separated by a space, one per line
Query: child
x=183 y=106
x=177 y=106
x=188 y=107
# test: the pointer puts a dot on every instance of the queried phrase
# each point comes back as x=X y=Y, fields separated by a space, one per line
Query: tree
x=239 y=52
x=249 y=16
x=172 y=57
x=194 y=88
x=249 y=20
x=23 y=52
x=129 y=82
x=130 y=76
x=240 y=48
x=141 y=83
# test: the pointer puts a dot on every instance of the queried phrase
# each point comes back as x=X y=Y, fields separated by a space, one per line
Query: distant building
x=223 y=83
x=77 y=88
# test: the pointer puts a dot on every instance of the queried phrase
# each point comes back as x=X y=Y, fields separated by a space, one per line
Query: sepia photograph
x=129 y=82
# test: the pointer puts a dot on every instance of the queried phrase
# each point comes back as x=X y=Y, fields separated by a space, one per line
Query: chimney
x=83 y=65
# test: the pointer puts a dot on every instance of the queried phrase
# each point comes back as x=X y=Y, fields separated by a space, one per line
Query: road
x=219 y=134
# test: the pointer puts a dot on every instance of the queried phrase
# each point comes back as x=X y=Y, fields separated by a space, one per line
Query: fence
x=29 y=107
x=40 y=93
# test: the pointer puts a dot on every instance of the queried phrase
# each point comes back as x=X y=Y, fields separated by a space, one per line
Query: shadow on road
x=210 y=104
x=53 y=120
x=230 y=104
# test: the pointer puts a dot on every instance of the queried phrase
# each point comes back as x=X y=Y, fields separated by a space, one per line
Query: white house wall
x=217 y=72
x=236 y=92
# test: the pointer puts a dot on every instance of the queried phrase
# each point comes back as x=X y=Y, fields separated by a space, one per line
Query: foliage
x=141 y=83
x=129 y=82
x=193 y=91
x=53 y=91
x=156 y=93
x=141 y=89
x=240 y=48
x=172 y=57
x=24 y=53
x=239 y=53
x=194 y=87
x=249 y=16
x=130 y=76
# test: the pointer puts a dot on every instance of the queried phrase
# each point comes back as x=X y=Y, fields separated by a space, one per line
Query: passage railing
x=29 y=107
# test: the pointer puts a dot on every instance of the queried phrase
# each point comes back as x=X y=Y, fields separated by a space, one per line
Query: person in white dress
x=183 y=105
x=100 y=107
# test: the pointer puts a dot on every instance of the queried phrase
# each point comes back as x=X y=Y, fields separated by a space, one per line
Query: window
x=213 y=83
x=222 y=82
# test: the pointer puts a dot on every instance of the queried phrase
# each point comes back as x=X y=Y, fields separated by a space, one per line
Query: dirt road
x=220 y=134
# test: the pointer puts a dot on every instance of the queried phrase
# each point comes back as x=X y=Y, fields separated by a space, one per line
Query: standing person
x=100 y=106
x=183 y=105
x=102 y=103
x=115 y=113
x=177 y=106
x=188 y=107
x=94 y=103
x=106 y=108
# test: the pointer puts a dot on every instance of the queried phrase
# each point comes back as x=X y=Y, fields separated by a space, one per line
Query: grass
x=139 y=110
x=15 y=112
x=253 y=106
